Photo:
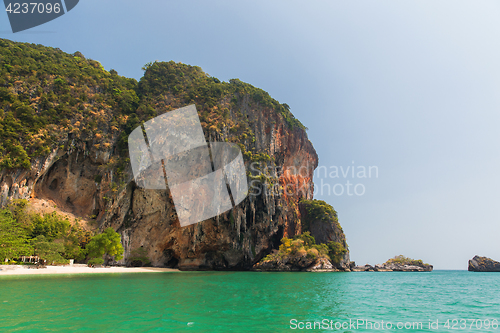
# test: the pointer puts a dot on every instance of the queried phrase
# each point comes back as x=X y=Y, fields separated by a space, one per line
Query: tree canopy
x=49 y=99
x=109 y=242
x=13 y=237
x=49 y=251
x=51 y=237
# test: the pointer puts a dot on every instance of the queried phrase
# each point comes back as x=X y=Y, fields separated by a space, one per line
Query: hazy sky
x=411 y=87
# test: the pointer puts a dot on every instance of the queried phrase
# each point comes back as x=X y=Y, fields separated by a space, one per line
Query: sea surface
x=252 y=302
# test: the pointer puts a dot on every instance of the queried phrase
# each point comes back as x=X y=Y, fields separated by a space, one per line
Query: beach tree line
x=52 y=237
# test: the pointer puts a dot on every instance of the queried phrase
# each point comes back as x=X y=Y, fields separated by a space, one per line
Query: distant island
x=483 y=264
x=397 y=264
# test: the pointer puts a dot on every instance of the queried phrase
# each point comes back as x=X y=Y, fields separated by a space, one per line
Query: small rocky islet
x=289 y=260
x=397 y=264
x=393 y=268
x=483 y=264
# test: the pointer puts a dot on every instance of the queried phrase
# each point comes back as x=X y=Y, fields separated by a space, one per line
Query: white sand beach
x=78 y=269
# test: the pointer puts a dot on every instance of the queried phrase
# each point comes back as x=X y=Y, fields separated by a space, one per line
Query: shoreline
x=57 y=270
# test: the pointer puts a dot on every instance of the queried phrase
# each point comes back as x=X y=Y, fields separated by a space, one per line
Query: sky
x=410 y=88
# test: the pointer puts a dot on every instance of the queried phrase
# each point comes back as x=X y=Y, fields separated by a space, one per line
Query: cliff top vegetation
x=49 y=99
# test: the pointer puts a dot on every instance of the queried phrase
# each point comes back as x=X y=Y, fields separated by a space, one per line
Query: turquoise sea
x=251 y=302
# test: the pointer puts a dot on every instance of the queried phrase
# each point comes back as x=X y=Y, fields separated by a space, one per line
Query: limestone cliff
x=320 y=247
x=81 y=165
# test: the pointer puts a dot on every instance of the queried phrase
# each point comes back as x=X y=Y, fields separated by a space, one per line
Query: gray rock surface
x=483 y=264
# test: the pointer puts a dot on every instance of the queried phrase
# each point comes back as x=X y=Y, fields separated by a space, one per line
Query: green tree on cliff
x=336 y=251
x=51 y=225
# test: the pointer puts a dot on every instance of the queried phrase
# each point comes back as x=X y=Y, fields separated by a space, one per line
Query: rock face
x=322 y=223
x=483 y=264
x=321 y=247
x=297 y=264
x=92 y=179
x=289 y=264
x=147 y=218
x=393 y=268
x=322 y=265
